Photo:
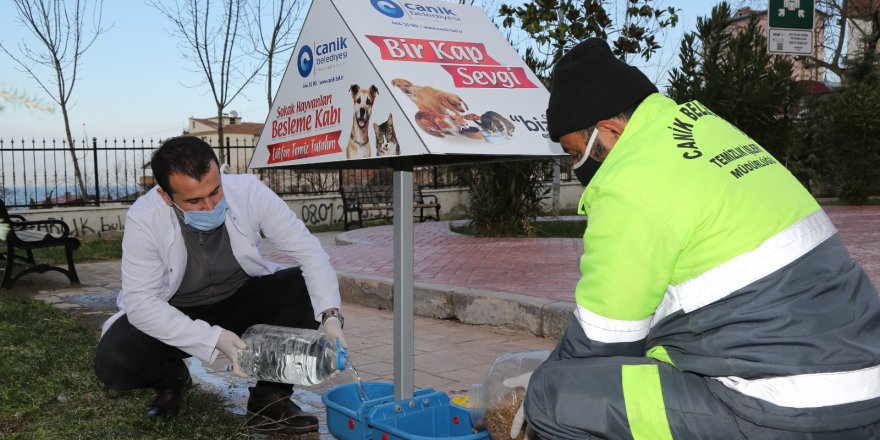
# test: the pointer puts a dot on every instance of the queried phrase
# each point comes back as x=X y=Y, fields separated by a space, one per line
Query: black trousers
x=127 y=358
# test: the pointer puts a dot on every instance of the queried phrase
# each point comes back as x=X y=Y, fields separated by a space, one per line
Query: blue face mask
x=206 y=220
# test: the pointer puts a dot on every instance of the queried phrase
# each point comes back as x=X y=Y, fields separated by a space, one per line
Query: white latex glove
x=333 y=329
x=519 y=420
x=229 y=343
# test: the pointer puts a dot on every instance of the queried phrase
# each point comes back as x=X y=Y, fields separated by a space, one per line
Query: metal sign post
x=404 y=341
x=790 y=26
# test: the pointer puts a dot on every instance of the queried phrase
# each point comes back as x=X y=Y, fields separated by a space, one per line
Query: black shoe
x=275 y=412
x=166 y=402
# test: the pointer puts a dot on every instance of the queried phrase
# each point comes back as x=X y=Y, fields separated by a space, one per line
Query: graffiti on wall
x=323 y=213
x=84 y=226
x=320 y=213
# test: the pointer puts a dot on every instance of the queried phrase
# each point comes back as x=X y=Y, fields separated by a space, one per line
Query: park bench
x=362 y=200
x=26 y=236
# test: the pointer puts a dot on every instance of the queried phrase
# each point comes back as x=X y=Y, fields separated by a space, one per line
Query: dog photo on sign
x=440 y=113
x=444 y=114
x=359 y=140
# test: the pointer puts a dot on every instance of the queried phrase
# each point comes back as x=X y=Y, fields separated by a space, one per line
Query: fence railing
x=40 y=173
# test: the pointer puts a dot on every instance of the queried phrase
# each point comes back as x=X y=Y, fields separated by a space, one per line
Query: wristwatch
x=332 y=312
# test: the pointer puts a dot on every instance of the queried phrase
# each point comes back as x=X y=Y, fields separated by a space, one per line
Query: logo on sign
x=304 y=61
x=388 y=7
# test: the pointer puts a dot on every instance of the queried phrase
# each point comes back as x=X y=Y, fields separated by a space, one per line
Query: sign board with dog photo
x=370 y=80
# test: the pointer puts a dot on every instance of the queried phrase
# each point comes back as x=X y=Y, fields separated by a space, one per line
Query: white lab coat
x=154 y=261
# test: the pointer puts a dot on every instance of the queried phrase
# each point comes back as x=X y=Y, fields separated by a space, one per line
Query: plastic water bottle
x=290 y=355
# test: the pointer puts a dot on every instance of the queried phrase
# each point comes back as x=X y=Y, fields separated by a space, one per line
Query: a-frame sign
x=373 y=79
x=375 y=83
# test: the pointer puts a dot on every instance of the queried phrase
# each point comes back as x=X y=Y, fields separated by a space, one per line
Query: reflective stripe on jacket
x=704 y=252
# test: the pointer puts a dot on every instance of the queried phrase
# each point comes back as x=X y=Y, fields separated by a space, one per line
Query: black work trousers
x=127 y=358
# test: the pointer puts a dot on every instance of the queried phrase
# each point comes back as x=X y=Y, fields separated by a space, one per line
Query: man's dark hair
x=627 y=114
x=185 y=155
x=624 y=116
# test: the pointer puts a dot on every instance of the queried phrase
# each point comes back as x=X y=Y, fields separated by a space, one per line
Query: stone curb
x=538 y=316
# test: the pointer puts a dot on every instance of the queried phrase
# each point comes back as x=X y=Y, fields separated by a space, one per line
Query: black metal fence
x=41 y=173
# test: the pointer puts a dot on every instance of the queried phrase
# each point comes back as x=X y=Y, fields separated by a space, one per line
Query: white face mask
x=589 y=148
x=586 y=168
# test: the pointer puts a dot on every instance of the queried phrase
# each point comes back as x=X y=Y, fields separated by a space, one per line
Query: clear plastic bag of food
x=493 y=405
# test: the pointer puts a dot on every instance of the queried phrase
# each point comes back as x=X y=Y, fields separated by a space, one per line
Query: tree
x=861 y=17
x=557 y=25
x=283 y=16
x=731 y=72
x=504 y=198
x=63 y=39
x=209 y=38
x=844 y=129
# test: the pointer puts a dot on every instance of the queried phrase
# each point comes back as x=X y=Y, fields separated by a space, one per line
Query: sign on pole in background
x=791 y=26
x=370 y=80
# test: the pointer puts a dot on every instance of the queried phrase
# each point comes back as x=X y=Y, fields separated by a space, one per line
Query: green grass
x=104 y=250
x=561 y=229
x=314 y=229
x=872 y=201
x=548 y=229
x=93 y=250
x=49 y=389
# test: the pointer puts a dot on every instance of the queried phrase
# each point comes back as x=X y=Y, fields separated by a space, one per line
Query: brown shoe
x=166 y=402
x=275 y=412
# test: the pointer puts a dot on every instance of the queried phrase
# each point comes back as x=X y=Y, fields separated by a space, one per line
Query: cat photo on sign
x=386 y=139
x=495 y=128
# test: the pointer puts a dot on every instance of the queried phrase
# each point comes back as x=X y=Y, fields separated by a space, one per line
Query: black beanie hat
x=590 y=84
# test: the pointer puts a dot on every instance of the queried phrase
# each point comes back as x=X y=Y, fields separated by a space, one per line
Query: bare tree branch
x=838 y=18
x=63 y=41
x=215 y=50
x=282 y=19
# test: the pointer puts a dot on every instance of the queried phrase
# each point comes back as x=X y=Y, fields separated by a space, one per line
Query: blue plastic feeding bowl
x=347 y=414
x=427 y=415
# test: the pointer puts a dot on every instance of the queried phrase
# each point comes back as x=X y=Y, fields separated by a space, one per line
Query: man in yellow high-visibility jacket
x=716 y=299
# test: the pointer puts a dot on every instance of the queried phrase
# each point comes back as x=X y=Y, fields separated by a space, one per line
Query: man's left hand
x=333 y=329
x=229 y=344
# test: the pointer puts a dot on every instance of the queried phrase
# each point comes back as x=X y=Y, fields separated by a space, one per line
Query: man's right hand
x=229 y=343
x=519 y=421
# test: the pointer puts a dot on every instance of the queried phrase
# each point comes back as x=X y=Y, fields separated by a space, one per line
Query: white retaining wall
x=108 y=220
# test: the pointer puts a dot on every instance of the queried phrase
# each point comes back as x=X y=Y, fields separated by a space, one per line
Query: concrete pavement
x=449 y=356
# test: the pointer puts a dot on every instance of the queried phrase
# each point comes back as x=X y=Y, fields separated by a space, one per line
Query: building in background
x=240 y=137
x=862 y=16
